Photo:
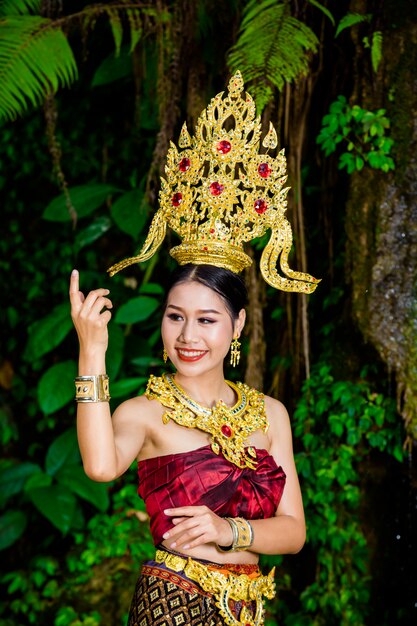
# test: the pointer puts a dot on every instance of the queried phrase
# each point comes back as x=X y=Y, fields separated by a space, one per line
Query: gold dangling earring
x=165 y=355
x=235 y=352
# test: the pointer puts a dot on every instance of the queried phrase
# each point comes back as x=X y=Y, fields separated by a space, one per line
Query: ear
x=239 y=323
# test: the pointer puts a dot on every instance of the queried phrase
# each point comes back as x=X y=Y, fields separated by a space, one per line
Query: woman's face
x=197 y=328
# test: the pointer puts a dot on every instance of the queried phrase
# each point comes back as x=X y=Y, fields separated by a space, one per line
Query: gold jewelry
x=229 y=427
x=165 y=355
x=235 y=352
x=242 y=532
x=225 y=586
x=92 y=388
x=220 y=192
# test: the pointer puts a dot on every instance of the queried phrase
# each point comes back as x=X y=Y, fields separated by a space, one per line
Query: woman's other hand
x=90 y=320
x=195 y=526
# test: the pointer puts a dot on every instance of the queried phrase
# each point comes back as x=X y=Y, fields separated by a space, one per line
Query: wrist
x=91 y=362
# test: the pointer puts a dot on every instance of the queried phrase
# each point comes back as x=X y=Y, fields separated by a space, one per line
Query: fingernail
x=165 y=535
x=167 y=511
x=173 y=544
x=187 y=545
x=74 y=272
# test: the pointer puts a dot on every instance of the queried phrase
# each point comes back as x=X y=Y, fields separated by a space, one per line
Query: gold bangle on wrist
x=92 y=388
x=242 y=534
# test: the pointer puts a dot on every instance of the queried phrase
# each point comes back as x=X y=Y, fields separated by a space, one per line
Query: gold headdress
x=219 y=192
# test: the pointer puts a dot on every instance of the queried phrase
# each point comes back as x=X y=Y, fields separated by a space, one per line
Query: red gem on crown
x=176 y=199
x=216 y=189
x=184 y=164
x=226 y=430
x=224 y=146
x=264 y=170
x=260 y=206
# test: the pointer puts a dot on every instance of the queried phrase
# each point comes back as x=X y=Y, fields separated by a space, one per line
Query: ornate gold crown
x=220 y=192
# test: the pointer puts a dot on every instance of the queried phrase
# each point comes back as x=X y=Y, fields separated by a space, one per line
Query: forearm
x=283 y=534
x=94 y=426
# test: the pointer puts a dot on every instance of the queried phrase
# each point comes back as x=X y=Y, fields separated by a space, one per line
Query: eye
x=206 y=320
x=175 y=317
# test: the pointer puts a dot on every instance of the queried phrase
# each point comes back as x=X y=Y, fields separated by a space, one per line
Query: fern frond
x=35 y=58
x=19 y=7
x=351 y=19
x=272 y=47
x=324 y=10
x=376 y=49
x=116 y=28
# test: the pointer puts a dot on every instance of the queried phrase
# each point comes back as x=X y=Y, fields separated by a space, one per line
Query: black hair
x=228 y=285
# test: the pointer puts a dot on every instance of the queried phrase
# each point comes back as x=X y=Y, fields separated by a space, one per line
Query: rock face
x=381 y=226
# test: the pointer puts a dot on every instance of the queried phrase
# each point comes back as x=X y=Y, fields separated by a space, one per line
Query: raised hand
x=90 y=320
x=195 y=526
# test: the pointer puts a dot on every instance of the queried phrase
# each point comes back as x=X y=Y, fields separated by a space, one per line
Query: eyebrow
x=173 y=306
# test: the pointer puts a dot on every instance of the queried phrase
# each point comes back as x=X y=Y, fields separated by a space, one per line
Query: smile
x=191 y=355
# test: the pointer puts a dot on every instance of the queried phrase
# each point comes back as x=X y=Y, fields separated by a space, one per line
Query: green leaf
x=272 y=48
x=12 y=526
x=115 y=350
x=56 y=387
x=38 y=480
x=48 y=333
x=324 y=10
x=93 y=231
x=351 y=19
x=19 y=7
x=63 y=450
x=13 y=479
x=73 y=477
x=113 y=68
x=28 y=69
x=130 y=212
x=57 y=504
x=126 y=386
x=85 y=199
x=376 y=49
x=136 y=310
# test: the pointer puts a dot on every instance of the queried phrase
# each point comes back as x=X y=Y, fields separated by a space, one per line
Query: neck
x=206 y=389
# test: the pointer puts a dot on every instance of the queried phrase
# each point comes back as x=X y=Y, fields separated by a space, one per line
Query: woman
x=213 y=457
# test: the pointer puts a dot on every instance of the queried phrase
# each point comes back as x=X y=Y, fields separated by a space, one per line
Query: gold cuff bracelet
x=92 y=388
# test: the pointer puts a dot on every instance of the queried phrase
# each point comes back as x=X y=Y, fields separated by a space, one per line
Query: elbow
x=99 y=474
x=300 y=540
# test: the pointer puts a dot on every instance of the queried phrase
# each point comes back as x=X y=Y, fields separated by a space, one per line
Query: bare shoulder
x=139 y=409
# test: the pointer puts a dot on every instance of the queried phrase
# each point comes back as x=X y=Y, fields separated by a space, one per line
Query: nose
x=187 y=334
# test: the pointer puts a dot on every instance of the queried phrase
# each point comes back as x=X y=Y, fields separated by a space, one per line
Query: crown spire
x=220 y=192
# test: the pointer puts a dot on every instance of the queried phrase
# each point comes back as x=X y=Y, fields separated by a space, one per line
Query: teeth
x=191 y=352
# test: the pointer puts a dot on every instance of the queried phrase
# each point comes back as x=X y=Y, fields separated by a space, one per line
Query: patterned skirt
x=164 y=597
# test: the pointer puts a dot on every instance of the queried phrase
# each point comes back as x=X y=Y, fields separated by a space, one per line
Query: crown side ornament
x=220 y=192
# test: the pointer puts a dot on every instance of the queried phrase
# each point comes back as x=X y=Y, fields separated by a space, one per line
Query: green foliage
x=376 y=48
x=351 y=19
x=361 y=132
x=272 y=48
x=324 y=10
x=28 y=70
x=337 y=424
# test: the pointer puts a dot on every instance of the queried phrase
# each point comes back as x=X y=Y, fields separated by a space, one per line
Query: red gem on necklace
x=224 y=146
x=184 y=164
x=260 y=206
x=176 y=199
x=226 y=430
x=216 y=189
x=264 y=170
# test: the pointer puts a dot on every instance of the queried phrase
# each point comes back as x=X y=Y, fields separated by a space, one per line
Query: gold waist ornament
x=225 y=586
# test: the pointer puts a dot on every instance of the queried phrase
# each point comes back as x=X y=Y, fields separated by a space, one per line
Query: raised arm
x=107 y=448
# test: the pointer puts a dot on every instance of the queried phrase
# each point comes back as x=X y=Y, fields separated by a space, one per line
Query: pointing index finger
x=74 y=282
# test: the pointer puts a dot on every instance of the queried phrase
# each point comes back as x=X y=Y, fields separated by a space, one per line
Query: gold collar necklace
x=229 y=427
